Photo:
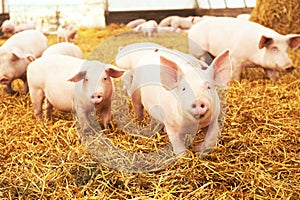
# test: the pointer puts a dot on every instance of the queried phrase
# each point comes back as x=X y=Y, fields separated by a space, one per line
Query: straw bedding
x=257 y=157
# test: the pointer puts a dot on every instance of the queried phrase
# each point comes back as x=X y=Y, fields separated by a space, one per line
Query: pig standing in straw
x=177 y=93
x=250 y=43
x=66 y=32
x=15 y=55
x=55 y=82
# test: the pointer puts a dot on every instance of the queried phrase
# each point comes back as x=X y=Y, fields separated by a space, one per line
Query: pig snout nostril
x=199 y=109
x=96 y=98
x=289 y=69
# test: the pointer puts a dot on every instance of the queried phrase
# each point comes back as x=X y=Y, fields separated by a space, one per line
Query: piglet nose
x=289 y=69
x=199 y=108
x=97 y=97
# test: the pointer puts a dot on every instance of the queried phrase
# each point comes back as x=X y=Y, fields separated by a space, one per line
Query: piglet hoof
x=204 y=153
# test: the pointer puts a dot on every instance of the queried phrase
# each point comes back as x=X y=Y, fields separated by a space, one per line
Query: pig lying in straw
x=15 y=55
x=148 y=28
x=250 y=43
x=177 y=90
x=64 y=48
x=53 y=78
x=8 y=27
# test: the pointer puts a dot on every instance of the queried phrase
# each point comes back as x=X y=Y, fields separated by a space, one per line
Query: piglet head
x=99 y=87
x=276 y=51
x=13 y=64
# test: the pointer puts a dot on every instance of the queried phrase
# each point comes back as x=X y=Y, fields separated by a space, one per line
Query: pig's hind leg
x=137 y=105
x=48 y=109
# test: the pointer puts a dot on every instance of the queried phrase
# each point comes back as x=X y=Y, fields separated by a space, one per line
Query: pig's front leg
x=210 y=139
x=176 y=140
x=106 y=116
x=83 y=121
x=272 y=74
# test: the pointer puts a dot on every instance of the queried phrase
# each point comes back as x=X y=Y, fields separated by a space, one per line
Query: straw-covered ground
x=257 y=156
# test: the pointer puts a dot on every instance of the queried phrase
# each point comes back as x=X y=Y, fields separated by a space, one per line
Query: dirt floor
x=257 y=156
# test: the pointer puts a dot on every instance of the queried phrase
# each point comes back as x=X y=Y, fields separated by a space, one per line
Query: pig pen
x=257 y=156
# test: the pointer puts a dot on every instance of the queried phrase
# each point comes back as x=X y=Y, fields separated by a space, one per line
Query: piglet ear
x=79 y=76
x=114 y=71
x=222 y=69
x=265 y=41
x=170 y=73
x=293 y=40
x=16 y=54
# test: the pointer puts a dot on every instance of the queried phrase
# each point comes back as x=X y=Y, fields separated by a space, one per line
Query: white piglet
x=15 y=55
x=64 y=48
x=67 y=32
x=179 y=94
x=148 y=28
x=250 y=43
x=53 y=78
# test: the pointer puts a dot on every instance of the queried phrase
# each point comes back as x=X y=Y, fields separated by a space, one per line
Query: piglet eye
x=208 y=86
x=105 y=78
x=274 y=49
x=183 y=89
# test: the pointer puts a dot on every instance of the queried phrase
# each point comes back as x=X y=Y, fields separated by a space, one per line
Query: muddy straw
x=257 y=157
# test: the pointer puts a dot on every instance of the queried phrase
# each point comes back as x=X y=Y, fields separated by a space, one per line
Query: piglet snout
x=4 y=81
x=198 y=109
x=289 y=69
x=97 y=97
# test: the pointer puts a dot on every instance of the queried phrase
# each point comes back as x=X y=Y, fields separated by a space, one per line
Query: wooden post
x=3 y=6
x=225 y=2
x=209 y=4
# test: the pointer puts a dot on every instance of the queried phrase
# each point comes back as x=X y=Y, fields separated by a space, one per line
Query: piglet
x=8 y=27
x=64 y=48
x=15 y=55
x=135 y=23
x=67 y=82
x=178 y=90
x=147 y=28
x=66 y=32
x=25 y=26
x=250 y=43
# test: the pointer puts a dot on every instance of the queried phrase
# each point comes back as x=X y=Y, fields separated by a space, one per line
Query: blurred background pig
x=135 y=23
x=55 y=82
x=8 y=27
x=15 y=55
x=66 y=32
x=25 y=26
x=64 y=48
x=147 y=28
x=251 y=44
